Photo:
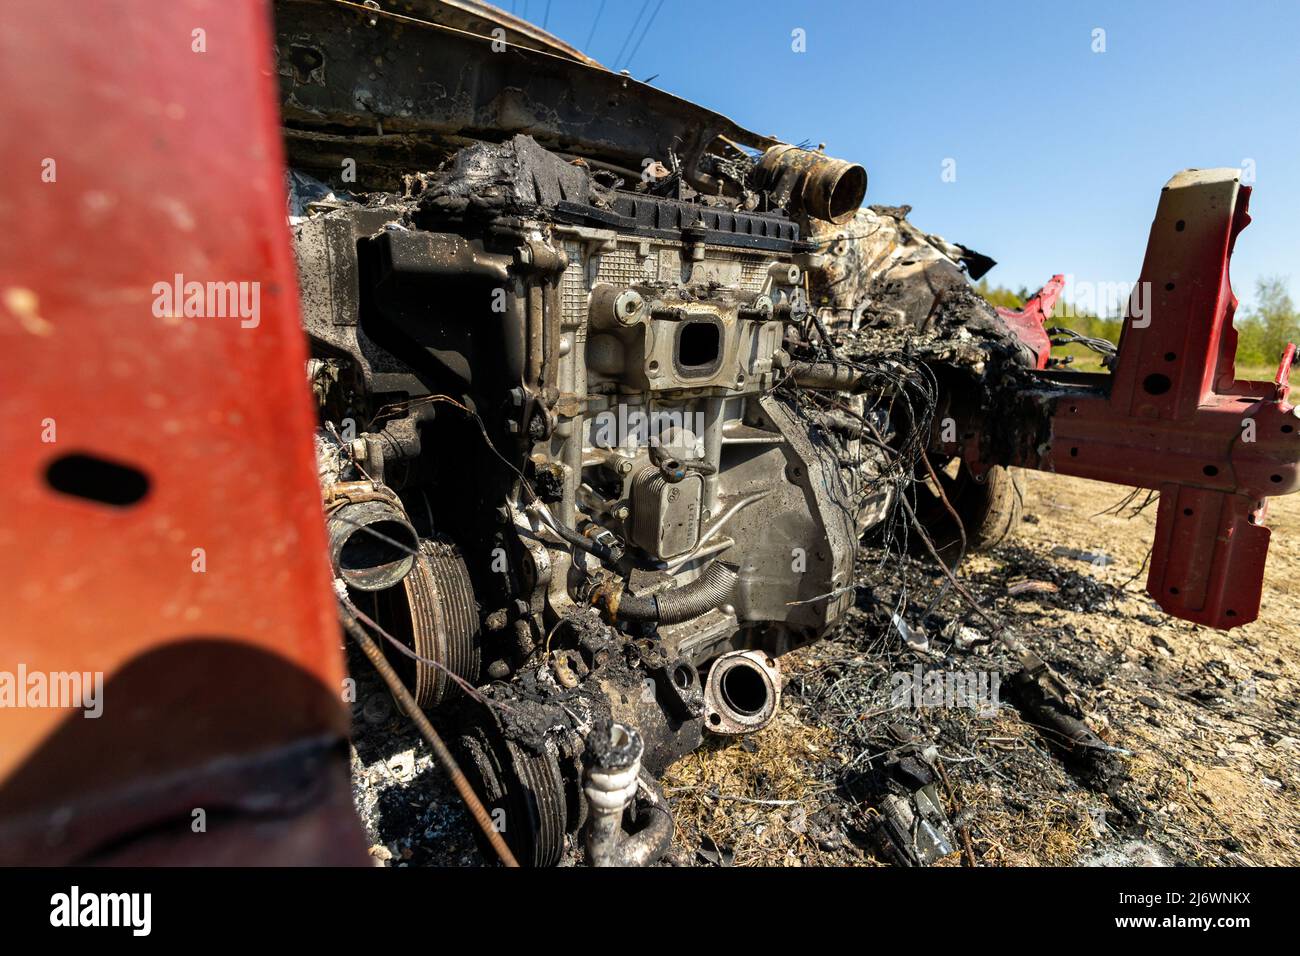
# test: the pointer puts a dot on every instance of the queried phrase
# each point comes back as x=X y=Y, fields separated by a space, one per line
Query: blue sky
x=1060 y=152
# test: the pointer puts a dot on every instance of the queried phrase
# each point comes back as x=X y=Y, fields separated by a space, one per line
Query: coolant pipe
x=613 y=782
x=711 y=589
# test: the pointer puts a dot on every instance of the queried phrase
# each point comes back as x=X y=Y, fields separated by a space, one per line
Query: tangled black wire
x=1103 y=347
x=899 y=401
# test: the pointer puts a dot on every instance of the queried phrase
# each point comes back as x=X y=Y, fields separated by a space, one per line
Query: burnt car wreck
x=612 y=392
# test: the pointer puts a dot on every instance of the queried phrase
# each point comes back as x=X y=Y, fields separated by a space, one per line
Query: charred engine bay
x=585 y=469
x=591 y=460
x=599 y=445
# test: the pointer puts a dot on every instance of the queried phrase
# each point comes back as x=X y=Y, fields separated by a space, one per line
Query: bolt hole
x=1179 y=226
x=1187 y=512
x=1156 y=384
x=1231 y=613
x=1209 y=471
x=1169 y=287
x=1074 y=453
x=1276 y=479
x=1170 y=356
x=1173 y=590
x=1287 y=429
x=97 y=479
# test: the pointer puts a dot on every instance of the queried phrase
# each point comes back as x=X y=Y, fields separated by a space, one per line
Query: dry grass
x=754 y=796
x=1212 y=777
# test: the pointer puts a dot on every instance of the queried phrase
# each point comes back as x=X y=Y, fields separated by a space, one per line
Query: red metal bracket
x=1173 y=417
x=1028 y=323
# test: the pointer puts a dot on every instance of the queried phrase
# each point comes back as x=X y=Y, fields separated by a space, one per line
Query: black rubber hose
x=584 y=543
x=711 y=589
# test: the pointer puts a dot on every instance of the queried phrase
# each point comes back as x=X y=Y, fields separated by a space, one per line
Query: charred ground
x=1203 y=723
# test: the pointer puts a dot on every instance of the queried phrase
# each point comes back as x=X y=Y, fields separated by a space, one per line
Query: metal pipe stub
x=613 y=782
x=812 y=183
x=742 y=693
x=372 y=544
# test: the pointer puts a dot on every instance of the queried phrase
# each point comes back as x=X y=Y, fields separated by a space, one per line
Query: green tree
x=1264 y=331
x=999 y=296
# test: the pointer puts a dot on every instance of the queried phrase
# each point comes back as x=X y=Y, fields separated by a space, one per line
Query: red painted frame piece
x=139 y=145
x=1177 y=420
x=1029 y=323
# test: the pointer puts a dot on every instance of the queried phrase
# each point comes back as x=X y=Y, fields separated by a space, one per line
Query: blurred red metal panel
x=141 y=144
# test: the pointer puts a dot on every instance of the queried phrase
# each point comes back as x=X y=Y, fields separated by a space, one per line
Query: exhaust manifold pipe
x=613 y=782
x=741 y=693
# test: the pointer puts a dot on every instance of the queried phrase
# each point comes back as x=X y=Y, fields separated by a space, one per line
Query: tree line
x=1263 y=330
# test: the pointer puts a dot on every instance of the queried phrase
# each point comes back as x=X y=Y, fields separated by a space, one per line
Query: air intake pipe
x=812 y=183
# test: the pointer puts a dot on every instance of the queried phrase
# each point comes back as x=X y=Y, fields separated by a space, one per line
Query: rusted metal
x=812 y=182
